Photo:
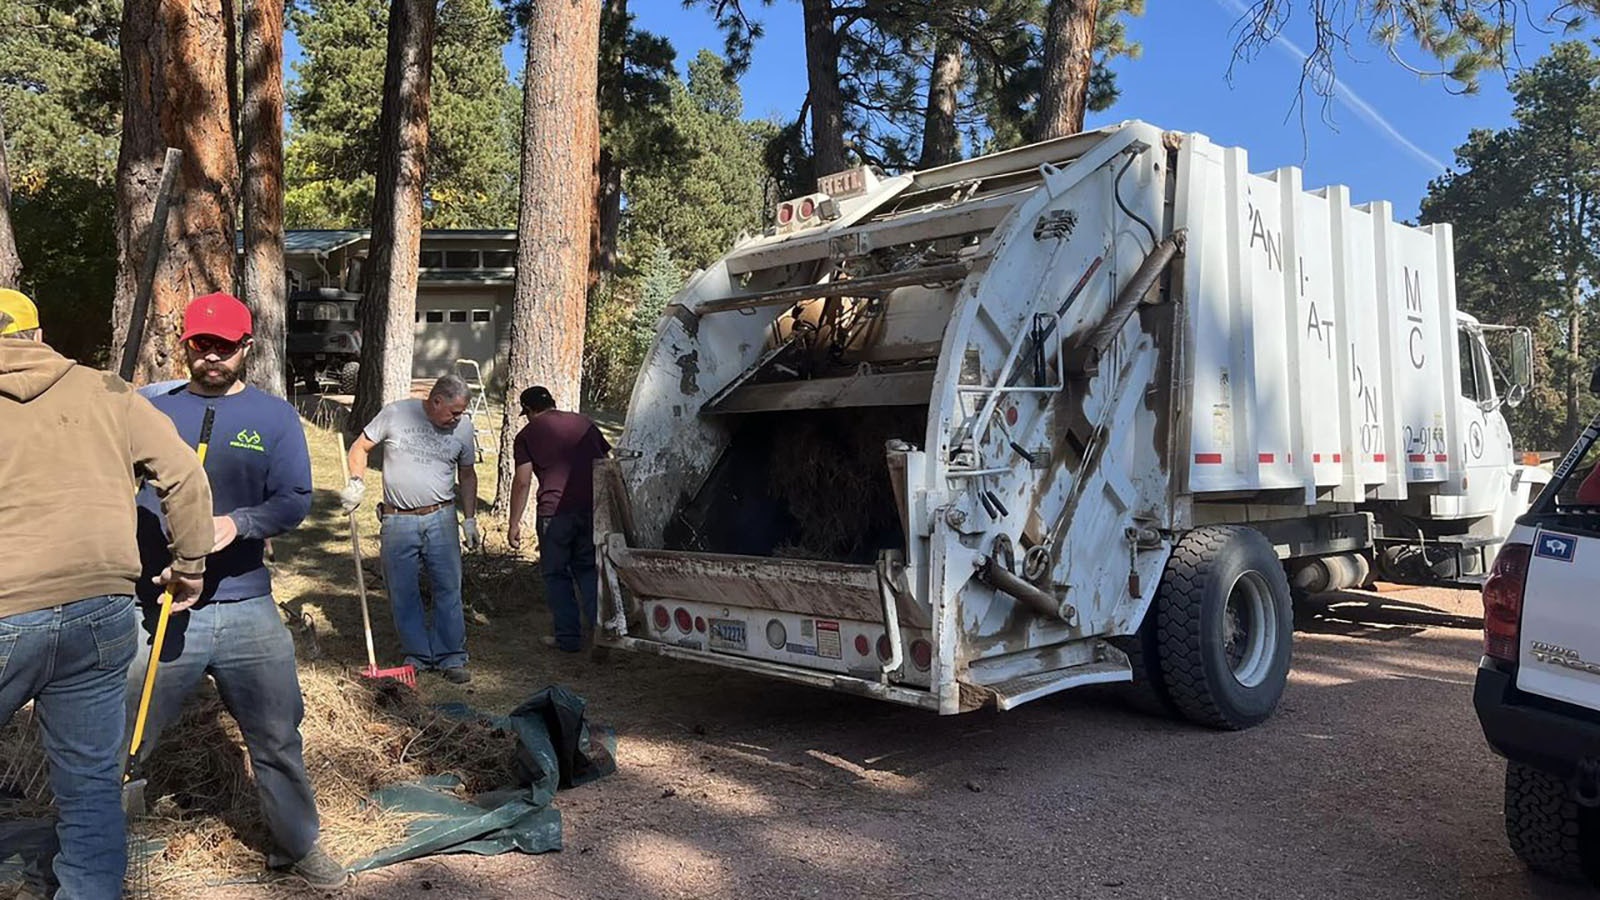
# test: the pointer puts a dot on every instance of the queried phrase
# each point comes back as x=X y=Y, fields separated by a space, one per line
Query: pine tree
x=698 y=202
x=659 y=281
x=556 y=212
x=334 y=105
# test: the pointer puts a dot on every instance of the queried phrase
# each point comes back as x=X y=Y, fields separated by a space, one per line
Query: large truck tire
x=1146 y=693
x=1224 y=627
x=1544 y=826
x=347 y=377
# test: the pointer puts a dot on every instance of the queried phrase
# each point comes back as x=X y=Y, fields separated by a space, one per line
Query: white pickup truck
x=1538 y=690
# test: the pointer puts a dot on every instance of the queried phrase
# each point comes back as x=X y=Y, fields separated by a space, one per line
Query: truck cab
x=1538 y=685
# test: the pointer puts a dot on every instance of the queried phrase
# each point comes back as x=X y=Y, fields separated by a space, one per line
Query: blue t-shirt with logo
x=260 y=474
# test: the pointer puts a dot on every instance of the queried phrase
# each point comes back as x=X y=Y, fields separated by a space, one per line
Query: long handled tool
x=406 y=674
x=133 y=791
x=152 y=261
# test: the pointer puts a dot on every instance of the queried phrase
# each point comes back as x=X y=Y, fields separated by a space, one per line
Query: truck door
x=1485 y=436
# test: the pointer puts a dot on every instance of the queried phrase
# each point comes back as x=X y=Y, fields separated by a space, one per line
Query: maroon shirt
x=562 y=446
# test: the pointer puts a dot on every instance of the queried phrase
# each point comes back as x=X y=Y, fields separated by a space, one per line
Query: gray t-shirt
x=419 y=458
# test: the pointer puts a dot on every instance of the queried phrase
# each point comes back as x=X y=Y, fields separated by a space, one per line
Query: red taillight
x=785 y=214
x=699 y=624
x=883 y=647
x=863 y=646
x=684 y=620
x=662 y=618
x=808 y=208
x=921 y=654
x=1502 y=603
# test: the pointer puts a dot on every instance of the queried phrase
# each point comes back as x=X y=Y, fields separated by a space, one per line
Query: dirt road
x=1372 y=781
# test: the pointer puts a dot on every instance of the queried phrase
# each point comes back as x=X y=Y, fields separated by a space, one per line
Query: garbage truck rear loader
x=1091 y=410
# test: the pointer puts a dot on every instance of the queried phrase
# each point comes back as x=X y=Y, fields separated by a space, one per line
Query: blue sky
x=1390 y=132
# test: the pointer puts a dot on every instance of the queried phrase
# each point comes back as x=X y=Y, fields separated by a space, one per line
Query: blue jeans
x=566 y=559
x=71 y=661
x=435 y=639
x=247 y=650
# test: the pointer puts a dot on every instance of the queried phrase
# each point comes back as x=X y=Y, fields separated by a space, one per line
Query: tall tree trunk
x=941 y=141
x=610 y=100
x=389 y=302
x=262 y=133
x=608 y=212
x=1068 y=63
x=822 y=72
x=1569 y=432
x=560 y=152
x=175 y=93
x=10 y=263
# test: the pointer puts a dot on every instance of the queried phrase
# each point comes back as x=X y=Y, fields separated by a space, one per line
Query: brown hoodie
x=73 y=440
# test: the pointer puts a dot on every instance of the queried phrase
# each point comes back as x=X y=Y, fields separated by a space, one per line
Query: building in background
x=465 y=280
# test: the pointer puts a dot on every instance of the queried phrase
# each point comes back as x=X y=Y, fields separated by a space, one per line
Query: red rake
x=406 y=675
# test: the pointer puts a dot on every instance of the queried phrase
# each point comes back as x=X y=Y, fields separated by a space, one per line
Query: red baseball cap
x=218 y=315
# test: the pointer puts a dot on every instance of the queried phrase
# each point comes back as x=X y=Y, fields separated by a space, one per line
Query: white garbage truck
x=1091 y=410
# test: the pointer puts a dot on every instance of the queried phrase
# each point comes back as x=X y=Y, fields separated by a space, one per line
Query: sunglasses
x=205 y=345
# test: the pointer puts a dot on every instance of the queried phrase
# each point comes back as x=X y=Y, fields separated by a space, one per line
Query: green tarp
x=556 y=749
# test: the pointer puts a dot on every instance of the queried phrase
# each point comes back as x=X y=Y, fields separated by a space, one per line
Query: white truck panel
x=1280 y=283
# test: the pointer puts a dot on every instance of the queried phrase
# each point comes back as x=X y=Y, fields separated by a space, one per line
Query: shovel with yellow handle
x=133 y=791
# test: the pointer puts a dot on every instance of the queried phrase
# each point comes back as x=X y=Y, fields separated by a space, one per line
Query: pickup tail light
x=1502 y=603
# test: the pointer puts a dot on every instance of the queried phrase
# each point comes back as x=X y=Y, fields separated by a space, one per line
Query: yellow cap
x=17 y=312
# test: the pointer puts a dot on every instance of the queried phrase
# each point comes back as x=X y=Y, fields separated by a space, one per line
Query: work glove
x=470 y=535
x=350 y=497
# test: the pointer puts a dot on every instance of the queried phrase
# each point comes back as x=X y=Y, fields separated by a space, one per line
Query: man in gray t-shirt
x=428 y=454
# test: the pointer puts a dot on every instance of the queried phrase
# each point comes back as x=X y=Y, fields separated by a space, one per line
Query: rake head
x=406 y=675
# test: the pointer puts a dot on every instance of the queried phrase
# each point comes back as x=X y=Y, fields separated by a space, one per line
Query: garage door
x=451 y=328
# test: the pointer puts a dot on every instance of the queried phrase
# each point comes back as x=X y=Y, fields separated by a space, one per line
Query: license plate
x=726 y=634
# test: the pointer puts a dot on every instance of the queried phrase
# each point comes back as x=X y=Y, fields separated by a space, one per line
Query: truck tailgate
x=1560 y=652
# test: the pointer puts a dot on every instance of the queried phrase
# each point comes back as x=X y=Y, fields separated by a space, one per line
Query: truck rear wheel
x=1544 y=826
x=1145 y=693
x=1224 y=627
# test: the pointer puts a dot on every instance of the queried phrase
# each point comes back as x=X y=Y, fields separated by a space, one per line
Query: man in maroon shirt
x=560 y=448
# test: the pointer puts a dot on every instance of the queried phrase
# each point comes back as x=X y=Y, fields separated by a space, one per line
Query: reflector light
x=883 y=647
x=684 y=621
x=863 y=646
x=921 y=654
x=662 y=618
x=699 y=624
x=777 y=635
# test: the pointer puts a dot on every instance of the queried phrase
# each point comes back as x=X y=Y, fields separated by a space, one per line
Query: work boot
x=319 y=870
x=457 y=675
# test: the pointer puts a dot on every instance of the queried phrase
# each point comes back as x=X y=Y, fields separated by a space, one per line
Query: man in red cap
x=260 y=474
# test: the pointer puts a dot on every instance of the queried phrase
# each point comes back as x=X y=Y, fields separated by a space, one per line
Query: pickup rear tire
x=348 y=373
x=1545 y=827
x=1224 y=627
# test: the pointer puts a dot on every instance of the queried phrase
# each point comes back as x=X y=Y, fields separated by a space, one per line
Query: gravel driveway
x=1372 y=780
